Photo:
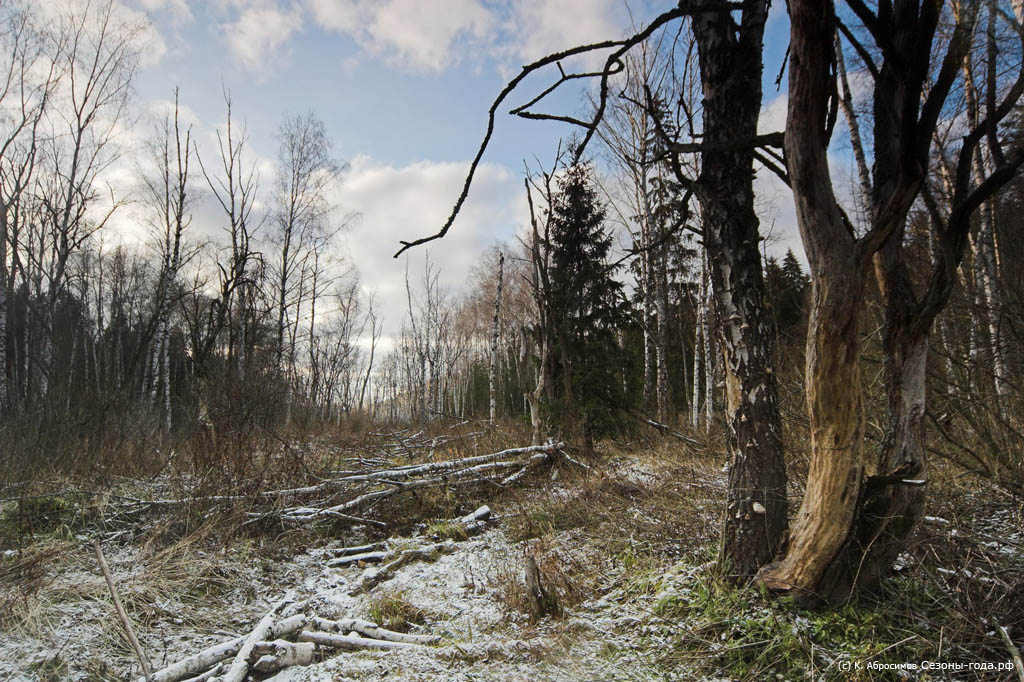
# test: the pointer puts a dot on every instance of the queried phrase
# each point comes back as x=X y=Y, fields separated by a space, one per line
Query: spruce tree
x=587 y=305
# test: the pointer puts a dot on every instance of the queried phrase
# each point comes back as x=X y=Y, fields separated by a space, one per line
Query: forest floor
x=627 y=545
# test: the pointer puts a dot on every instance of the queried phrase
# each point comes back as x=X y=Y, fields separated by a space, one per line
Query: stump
x=543 y=602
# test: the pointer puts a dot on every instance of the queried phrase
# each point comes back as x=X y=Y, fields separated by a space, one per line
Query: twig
x=143 y=661
x=1014 y=652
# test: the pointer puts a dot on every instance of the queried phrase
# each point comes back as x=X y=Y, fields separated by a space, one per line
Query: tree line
x=244 y=323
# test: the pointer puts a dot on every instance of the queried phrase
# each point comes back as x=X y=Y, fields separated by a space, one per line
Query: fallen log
x=208 y=675
x=347 y=642
x=360 y=549
x=454 y=476
x=476 y=521
x=367 y=557
x=240 y=665
x=371 y=630
x=209 y=657
x=530 y=464
x=374 y=576
x=434 y=467
x=281 y=654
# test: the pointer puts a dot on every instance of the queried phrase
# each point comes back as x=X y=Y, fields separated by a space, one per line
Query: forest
x=642 y=441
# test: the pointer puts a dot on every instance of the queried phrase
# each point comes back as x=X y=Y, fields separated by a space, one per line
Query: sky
x=403 y=87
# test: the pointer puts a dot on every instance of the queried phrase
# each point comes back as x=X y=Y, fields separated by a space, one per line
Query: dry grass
x=392 y=610
x=661 y=500
x=566 y=575
x=641 y=512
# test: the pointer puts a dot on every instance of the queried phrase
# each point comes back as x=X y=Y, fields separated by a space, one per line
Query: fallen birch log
x=365 y=557
x=347 y=642
x=371 y=630
x=281 y=654
x=434 y=467
x=476 y=521
x=207 y=658
x=374 y=576
x=455 y=476
x=361 y=549
x=240 y=665
x=530 y=464
x=208 y=675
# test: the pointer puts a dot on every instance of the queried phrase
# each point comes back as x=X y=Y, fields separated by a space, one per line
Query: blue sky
x=403 y=87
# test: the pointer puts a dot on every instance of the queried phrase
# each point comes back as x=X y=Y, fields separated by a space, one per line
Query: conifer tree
x=587 y=305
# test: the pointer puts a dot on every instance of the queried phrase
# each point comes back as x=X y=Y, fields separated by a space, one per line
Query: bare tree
x=29 y=73
x=234 y=186
x=168 y=193
x=301 y=226
x=98 y=54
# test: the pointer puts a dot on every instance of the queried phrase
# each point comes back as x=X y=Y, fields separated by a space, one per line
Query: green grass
x=740 y=633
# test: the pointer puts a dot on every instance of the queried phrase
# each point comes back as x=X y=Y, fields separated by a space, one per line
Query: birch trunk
x=493 y=375
x=987 y=297
x=535 y=396
x=167 y=376
x=756 y=515
x=698 y=349
x=647 y=290
x=661 y=360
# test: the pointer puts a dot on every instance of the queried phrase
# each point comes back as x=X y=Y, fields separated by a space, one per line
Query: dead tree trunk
x=854 y=521
x=493 y=378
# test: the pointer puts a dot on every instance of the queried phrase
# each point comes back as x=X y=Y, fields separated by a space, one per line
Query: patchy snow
x=184 y=600
x=75 y=636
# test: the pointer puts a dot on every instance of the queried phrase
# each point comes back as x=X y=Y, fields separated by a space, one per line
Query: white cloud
x=260 y=31
x=124 y=22
x=774 y=200
x=178 y=10
x=540 y=27
x=402 y=203
x=410 y=33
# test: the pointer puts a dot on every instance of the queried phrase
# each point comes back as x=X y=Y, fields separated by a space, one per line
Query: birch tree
x=98 y=54
x=234 y=185
x=29 y=72
x=306 y=173
x=495 y=333
x=168 y=192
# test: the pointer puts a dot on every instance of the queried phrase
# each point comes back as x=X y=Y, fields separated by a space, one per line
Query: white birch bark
x=494 y=342
x=987 y=296
x=661 y=288
x=240 y=665
x=698 y=350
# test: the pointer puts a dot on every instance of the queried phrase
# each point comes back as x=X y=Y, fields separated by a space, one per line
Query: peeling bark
x=730 y=65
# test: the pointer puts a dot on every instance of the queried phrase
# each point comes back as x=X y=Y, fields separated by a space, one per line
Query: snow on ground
x=194 y=598
x=460 y=592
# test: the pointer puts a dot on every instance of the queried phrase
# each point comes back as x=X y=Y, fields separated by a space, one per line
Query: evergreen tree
x=787 y=287
x=587 y=305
